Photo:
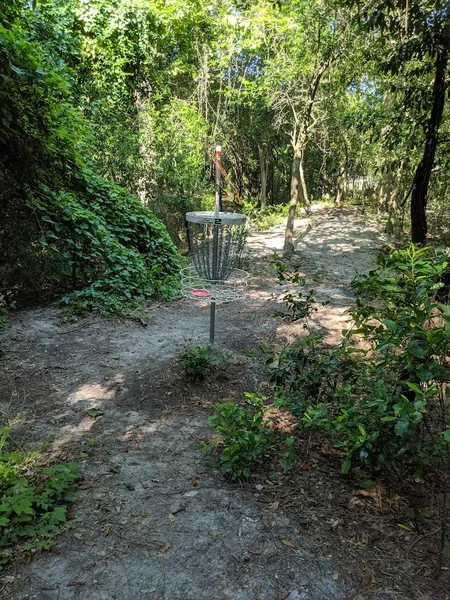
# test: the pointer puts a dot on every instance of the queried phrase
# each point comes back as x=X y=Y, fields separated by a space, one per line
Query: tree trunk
x=384 y=196
x=298 y=185
x=304 y=198
x=341 y=186
x=392 y=224
x=419 y=195
x=298 y=192
x=263 y=167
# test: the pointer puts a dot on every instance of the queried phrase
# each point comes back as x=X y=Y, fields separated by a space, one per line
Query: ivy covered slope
x=65 y=229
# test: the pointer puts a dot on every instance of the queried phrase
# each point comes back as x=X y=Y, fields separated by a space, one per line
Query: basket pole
x=217 y=158
x=212 y=318
x=212 y=323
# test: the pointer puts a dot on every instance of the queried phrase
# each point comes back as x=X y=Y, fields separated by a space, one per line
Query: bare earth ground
x=152 y=521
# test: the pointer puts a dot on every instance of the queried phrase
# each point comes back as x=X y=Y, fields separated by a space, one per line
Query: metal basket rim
x=191 y=272
x=210 y=218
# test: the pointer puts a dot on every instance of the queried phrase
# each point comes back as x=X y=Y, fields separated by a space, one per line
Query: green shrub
x=384 y=400
x=200 y=361
x=33 y=499
x=298 y=300
x=266 y=217
x=113 y=247
x=244 y=440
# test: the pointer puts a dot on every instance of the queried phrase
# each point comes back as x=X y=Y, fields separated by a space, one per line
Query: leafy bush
x=262 y=218
x=78 y=233
x=244 y=440
x=33 y=499
x=298 y=300
x=200 y=361
x=113 y=247
x=384 y=399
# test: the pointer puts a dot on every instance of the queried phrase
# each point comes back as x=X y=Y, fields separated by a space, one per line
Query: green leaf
x=414 y=387
x=22 y=506
x=391 y=325
x=17 y=70
x=416 y=351
x=58 y=515
x=346 y=465
x=401 y=427
x=95 y=412
x=424 y=374
x=367 y=485
x=446 y=435
x=445 y=309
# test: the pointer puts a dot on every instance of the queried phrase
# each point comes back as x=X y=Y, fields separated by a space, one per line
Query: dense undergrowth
x=66 y=231
x=33 y=499
x=380 y=398
x=265 y=217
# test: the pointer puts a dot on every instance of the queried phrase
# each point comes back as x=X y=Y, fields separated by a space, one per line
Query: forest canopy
x=110 y=112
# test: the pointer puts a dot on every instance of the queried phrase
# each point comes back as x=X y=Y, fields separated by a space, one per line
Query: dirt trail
x=152 y=521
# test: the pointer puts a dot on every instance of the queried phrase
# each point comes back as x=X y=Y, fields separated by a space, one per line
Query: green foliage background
x=96 y=95
x=66 y=228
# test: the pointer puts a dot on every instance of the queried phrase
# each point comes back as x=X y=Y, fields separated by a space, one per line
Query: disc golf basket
x=216 y=240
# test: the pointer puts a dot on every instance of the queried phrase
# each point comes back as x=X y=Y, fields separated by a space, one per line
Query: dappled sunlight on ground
x=73 y=433
x=97 y=391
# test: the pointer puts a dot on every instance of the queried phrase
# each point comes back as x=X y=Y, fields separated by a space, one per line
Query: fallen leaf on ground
x=95 y=412
x=259 y=487
x=305 y=467
x=274 y=506
x=285 y=596
x=165 y=547
x=288 y=543
x=335 y=575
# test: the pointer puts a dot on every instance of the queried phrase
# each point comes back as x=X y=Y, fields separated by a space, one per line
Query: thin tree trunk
x=304 y=198
x=298 y=185
x=342 y=186
x=298 y=192
x=263 y=173
x=419 y=195
x=392 y=224
x=384 y=194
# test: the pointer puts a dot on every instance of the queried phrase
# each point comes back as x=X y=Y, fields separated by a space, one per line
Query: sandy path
x=152 y=522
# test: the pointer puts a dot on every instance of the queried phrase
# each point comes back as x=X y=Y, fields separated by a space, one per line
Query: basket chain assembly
x=216 y=240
